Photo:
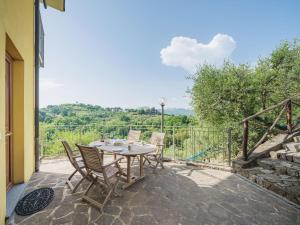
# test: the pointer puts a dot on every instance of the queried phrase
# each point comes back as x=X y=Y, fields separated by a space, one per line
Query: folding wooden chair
x=134 y=136
x=78 y=165
x=100 y=173
x=156 y=139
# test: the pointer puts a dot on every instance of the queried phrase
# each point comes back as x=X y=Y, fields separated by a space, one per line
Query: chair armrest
x=160 y=147
x=77 y=156
x=112 y=162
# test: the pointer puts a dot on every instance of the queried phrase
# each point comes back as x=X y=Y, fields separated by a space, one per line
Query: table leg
x=128 y=169
x=102 y=156
x=132 y=180
x=141 y=165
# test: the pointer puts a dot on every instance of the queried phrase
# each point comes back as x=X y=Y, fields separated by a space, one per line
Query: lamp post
x=162 y=104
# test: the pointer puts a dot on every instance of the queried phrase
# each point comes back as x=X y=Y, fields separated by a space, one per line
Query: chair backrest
x=69 y=153
x=134 y=135
x=92 y=158
x=157 y=139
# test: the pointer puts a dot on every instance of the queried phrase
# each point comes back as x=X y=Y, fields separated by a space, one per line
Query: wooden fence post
x=229 y=140
x=245 y=139
x=289 y=116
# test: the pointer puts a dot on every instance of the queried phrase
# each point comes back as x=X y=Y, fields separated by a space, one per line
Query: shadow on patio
x=175 y=195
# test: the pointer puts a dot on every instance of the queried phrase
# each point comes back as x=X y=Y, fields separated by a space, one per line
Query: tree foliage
x=226 y=95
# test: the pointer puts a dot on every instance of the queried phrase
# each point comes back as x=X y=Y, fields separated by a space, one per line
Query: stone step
x=251 y=173
x=280 y=167
x=293 y=157
x=280 y=154
x=296 y=139
x=283 y=154
x=294 y=147
x=284 y=185
x=267 y=163
x=284 y=180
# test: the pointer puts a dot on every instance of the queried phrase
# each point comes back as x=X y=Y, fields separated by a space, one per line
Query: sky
x=131 y=53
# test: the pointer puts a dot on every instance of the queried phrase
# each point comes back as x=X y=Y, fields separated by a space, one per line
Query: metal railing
x=181 y=143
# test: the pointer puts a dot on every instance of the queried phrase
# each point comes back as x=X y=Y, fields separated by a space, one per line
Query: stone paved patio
x=176 y=195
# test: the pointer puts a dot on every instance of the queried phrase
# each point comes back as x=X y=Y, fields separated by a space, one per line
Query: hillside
x=179 y=111
x=83 y=123
x=86 y=114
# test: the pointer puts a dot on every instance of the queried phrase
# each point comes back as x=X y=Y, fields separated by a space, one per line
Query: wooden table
x=136 y=149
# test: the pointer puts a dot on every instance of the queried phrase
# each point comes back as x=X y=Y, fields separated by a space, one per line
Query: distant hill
x=86 y=114
x=179 y=111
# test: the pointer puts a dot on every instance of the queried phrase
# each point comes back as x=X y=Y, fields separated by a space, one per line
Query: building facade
x=17 y=94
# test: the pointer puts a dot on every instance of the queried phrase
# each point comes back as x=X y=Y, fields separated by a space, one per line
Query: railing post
x=41 y=143
x=245 y=139
x=229 y=141
x=193 y=144
x=173 y=140
x=80 y=135
x=289 y=116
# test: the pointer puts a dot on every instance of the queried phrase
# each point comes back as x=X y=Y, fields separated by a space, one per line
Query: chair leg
x=147 y=159
x=115 y=187
x=111 y=191
x=68 y=182
x=107 y=197
x=162 y=165
x=85 y=174
x=156 y=165
x=160 y=161
x=86 y=198
x=136 y=157
x=70 y=177
x=77 y=185
x=89 y=187
x=133 y=160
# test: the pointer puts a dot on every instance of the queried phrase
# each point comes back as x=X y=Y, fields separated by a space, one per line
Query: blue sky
x=132 y=53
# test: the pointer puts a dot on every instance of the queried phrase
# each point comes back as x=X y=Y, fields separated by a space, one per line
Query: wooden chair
x=134 y=136
x=156 y=139
x=78 y=165
x=100 y=173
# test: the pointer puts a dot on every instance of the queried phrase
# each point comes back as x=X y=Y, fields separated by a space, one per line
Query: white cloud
x=48 y=84
x=188 y=53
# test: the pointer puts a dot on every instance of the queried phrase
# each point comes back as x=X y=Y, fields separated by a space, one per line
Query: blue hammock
x=201 y=154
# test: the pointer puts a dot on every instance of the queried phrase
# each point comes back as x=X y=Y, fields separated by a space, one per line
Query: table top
x=122 y=147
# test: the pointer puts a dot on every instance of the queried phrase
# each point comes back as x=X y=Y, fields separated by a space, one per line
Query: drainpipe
x=37 y=74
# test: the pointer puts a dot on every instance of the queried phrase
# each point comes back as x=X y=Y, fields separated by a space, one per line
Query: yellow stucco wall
x=17 y=37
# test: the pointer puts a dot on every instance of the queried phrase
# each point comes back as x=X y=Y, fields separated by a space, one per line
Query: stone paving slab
x=177 y=195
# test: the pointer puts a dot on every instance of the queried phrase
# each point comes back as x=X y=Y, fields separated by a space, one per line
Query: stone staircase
x=277 y=169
